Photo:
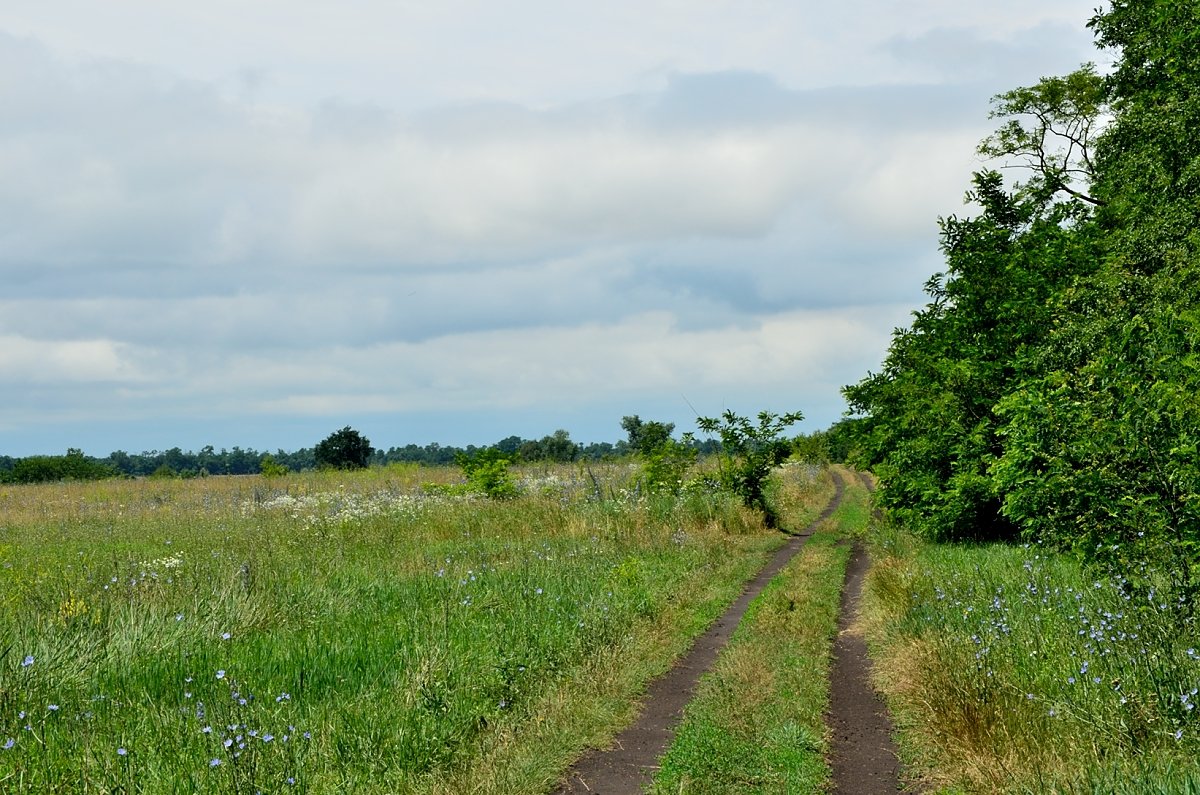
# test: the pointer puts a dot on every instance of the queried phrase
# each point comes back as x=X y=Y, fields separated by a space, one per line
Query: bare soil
x=862 y=755
x=630 y=764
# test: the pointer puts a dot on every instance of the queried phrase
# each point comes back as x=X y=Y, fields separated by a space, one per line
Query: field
x=347 y=633
x=1009 y=669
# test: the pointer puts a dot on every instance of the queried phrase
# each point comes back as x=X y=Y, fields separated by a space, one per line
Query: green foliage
x=665 y=461
x=1051 y=130
x=488 y=472
x=344 y=449
x=812 y=447
x=929 y=427
x=749 y=452
x=48 y=468
x=555 y=447
x=164 y=472
x=665 y=467
x=646 y=437
x=271 y=468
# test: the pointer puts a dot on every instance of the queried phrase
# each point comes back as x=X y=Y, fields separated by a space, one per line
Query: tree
x=555 y=447
x=749 y=453
x=646 y=437
x=344 y=449
x=928 y=423
x=1057 y=148
x=665 y=462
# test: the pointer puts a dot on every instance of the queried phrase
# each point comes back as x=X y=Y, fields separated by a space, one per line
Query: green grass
x=1013 y=670
x=756 y=724
x=343 y=633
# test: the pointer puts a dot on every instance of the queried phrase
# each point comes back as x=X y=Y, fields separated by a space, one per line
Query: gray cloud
x=177 y=249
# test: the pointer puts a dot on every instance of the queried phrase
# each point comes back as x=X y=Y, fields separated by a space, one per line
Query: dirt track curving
x=630 y=764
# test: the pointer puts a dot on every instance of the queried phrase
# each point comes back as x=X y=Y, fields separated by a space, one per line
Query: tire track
x=862 y=755
x=630 y=764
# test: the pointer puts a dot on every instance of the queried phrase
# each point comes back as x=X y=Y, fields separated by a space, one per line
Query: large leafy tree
x=1050 y=386
x=1101 y=451
x=344 y=449
x=929 y=424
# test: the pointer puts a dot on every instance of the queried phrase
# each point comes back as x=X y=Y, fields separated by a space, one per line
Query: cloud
x=977 y=54
x=69 y=362
x=741 y=209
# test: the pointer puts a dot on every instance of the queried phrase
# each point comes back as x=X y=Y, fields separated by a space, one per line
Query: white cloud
x=70 y=362
x=413 y=209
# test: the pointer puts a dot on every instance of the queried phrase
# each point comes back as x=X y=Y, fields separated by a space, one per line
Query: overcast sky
x=251 y=224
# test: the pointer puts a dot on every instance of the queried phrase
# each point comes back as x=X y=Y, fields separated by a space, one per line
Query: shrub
x=487 y=472
x=749 y=452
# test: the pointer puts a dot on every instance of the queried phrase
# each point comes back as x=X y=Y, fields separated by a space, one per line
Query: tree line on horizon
x=175 y=462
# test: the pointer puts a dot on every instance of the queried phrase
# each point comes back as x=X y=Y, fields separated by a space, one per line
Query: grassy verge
x=756 y=724
x=341 y=633
x=1011 y=670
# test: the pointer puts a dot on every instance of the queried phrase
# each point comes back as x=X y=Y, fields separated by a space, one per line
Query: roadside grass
x=756 y=724
x=1009 y=669
x=338 y=632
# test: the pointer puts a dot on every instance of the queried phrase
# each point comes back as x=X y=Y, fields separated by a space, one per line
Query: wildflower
x=122 y=752
x=268 y=737
x=214 y=762
x=206 y=730
x=538 y=591
x=220 y=674
x=179 y=616
x=1178 y=734
x=8 y=744
x=28 y=661
x=283 y=697
x=228 y=743
x=225 y=636
x=52 y=707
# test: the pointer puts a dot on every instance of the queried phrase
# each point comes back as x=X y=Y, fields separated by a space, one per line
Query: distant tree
x=509 y=445
x=646 y=437
x=555 y=447
x=47 y=468
x=344 y=449
x=559 y=447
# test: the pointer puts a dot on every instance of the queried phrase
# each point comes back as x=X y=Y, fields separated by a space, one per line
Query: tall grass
x=1012 y=669
x=329 y=632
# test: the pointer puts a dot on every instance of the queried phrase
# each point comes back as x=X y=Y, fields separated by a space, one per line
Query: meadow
x=336 y=632
x=1012 y=669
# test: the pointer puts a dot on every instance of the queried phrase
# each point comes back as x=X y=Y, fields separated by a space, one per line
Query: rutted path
x=632 y=761
x=862 y=755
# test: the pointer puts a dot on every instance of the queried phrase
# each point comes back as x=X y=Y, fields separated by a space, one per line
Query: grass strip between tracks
x=756 y=723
